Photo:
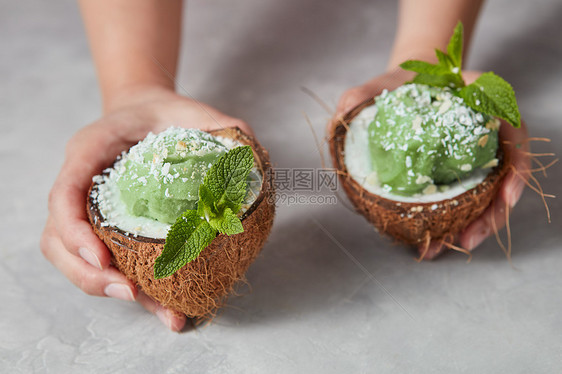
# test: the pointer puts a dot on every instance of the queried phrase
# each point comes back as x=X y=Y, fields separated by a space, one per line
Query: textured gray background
x=311 y=308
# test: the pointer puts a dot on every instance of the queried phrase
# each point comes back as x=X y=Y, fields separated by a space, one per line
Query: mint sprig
x=220 y=197
x=489 y=94
x=447 y=71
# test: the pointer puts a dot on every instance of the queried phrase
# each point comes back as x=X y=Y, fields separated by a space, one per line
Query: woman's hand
x=68 y=240
x=511 y=188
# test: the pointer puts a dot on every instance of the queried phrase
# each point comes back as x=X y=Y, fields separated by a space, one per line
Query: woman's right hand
x=68 y=240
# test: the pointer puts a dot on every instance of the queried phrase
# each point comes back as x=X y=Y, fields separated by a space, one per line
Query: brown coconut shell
x=201 y=286
x=415 y=223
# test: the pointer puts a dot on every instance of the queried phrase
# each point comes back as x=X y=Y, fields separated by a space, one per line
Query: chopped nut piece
x=372 y=179
x=483 y=141
x=493 y=124
x=445 y=107
x=180 y=146
x=416 y=123
x=430 y=189
x=421 y=179
x=492 y=163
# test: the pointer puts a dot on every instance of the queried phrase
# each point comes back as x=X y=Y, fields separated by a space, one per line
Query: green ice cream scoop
x=422 y=137
x=159 y=177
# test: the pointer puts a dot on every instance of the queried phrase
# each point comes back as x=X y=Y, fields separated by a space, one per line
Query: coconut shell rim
x=264 y=165
x=337 y=148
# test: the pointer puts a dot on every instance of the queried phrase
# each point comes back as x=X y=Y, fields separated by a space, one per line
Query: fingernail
x=434 y=249
x=165 y=317
x=90 y=257
x=119 y=291
x=515 y=194
x=479 y=235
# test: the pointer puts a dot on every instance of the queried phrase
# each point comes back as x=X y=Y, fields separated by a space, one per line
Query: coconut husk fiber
x=201 y=286
x=415 y=223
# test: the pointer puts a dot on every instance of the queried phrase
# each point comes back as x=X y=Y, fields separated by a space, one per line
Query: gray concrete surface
x=311 y=308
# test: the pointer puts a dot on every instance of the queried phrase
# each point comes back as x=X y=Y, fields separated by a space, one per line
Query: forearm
x=424 y=25
x=134 y=44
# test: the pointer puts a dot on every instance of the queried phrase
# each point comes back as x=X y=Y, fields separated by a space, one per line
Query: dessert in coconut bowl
x=184 y=214
x=424 y=161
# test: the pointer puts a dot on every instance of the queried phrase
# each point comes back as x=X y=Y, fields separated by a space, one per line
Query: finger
x=173 y=320
x=350 y=99
x=234 y=122
x=67 y=200
x=67 y=205
x=492 y=219
x=195 y=114
x=518 y=147
x=510 y=192
x=372 y=88
x=108 y=282
x=242 y=126
x=435 y=248
x=470 y=76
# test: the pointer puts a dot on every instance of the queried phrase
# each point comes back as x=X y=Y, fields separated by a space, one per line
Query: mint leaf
x=224 y=189
x=206 y=206
x=444 y=80
x=444 y=60
x=492 y=95
x=223 y=220
x=226 y=180
x=228 y=223
x=185 y=241
x=454 y=48
x=423 y=67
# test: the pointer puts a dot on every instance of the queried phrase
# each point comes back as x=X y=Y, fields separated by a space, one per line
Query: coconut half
x=201 y=286
x=415 y=223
